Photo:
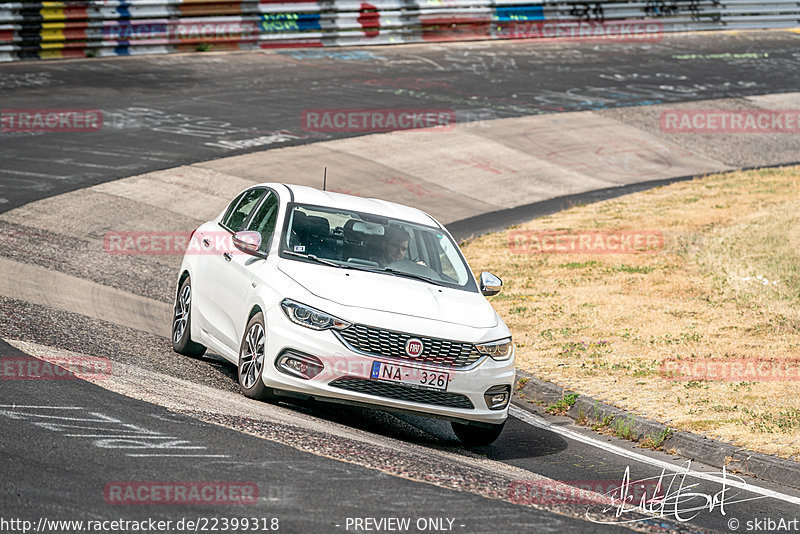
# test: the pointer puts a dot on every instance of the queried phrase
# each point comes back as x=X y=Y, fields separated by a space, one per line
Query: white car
x=314 y=294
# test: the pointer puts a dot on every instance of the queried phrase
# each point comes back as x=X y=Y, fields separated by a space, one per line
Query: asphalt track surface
x=167 y=111
x=305 y=493
x=161 y=112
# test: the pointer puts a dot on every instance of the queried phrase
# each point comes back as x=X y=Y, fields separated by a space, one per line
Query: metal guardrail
x=89 y=28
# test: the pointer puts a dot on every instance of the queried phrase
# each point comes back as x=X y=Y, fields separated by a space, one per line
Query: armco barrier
x=88 y=28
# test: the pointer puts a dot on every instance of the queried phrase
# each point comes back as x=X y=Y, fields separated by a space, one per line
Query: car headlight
x=311 y=317
x=498 y=350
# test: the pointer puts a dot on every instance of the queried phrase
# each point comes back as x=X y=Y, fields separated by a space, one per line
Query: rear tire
x=252 y=358
x=182 y=321
x=477 y=436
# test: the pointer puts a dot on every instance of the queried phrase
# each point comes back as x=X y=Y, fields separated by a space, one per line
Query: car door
x=219 y=253
x=206 y=255
x=235 y=278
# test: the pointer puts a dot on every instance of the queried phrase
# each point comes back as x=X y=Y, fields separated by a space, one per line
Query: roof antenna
x=325 y=178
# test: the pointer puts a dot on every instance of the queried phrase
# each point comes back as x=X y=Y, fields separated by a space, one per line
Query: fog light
x=299 y=365
x=497 y=397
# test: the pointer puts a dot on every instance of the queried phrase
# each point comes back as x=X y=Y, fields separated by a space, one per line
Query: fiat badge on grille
x=414 y=347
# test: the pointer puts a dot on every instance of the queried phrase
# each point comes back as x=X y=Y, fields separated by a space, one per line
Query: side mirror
x=248 y=242
x=490 y=284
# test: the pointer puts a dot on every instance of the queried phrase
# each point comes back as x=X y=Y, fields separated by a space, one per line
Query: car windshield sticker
x=299 y=248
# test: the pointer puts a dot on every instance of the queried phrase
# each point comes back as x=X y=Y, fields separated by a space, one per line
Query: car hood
x=393 y=294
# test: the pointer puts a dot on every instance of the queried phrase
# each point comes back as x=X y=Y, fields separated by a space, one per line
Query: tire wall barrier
x=101 y=28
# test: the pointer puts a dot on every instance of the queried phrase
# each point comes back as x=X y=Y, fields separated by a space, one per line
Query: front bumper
x=346 y=377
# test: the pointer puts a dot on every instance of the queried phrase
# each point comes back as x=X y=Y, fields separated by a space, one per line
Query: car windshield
x=371 y=242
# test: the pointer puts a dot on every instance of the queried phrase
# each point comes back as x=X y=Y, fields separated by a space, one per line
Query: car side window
x=264 y=219
x=235 y=218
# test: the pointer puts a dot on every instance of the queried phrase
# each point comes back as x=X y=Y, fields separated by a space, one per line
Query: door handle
x=227 y=256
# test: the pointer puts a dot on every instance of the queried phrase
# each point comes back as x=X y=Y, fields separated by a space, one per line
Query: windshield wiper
x=311 y=257
x=411 y=275
x=397 y=272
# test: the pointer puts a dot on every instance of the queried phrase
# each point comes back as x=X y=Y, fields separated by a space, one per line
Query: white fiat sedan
x=321 y=295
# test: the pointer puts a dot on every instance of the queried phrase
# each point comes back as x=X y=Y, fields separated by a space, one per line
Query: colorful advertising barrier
x=102 y=28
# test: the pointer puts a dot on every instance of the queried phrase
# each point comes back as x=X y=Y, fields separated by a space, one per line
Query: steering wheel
x=413 y=267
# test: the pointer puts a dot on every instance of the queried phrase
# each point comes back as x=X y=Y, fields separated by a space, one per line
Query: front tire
x=477 y=436
x=252 y=357
x=182 y=321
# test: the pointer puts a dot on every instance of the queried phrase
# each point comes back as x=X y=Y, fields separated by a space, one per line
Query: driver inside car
x=393 y=247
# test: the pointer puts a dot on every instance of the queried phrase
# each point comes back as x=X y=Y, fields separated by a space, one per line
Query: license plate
x=409 y=375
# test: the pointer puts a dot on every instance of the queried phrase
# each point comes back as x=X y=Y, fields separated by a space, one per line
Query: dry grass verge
x=726 y=286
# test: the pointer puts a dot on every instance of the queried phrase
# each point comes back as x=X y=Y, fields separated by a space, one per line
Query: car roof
x=309 y=195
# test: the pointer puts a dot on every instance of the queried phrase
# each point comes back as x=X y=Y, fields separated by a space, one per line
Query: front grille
x=405 y=393
x=389 y=344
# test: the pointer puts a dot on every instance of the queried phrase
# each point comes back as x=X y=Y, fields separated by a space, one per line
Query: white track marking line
x=179 y=455
x=42 y=407
x=532 y=420
x=136 y=436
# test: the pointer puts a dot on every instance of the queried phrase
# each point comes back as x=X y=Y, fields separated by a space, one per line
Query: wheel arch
x=256 y=308
x=184 y=275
